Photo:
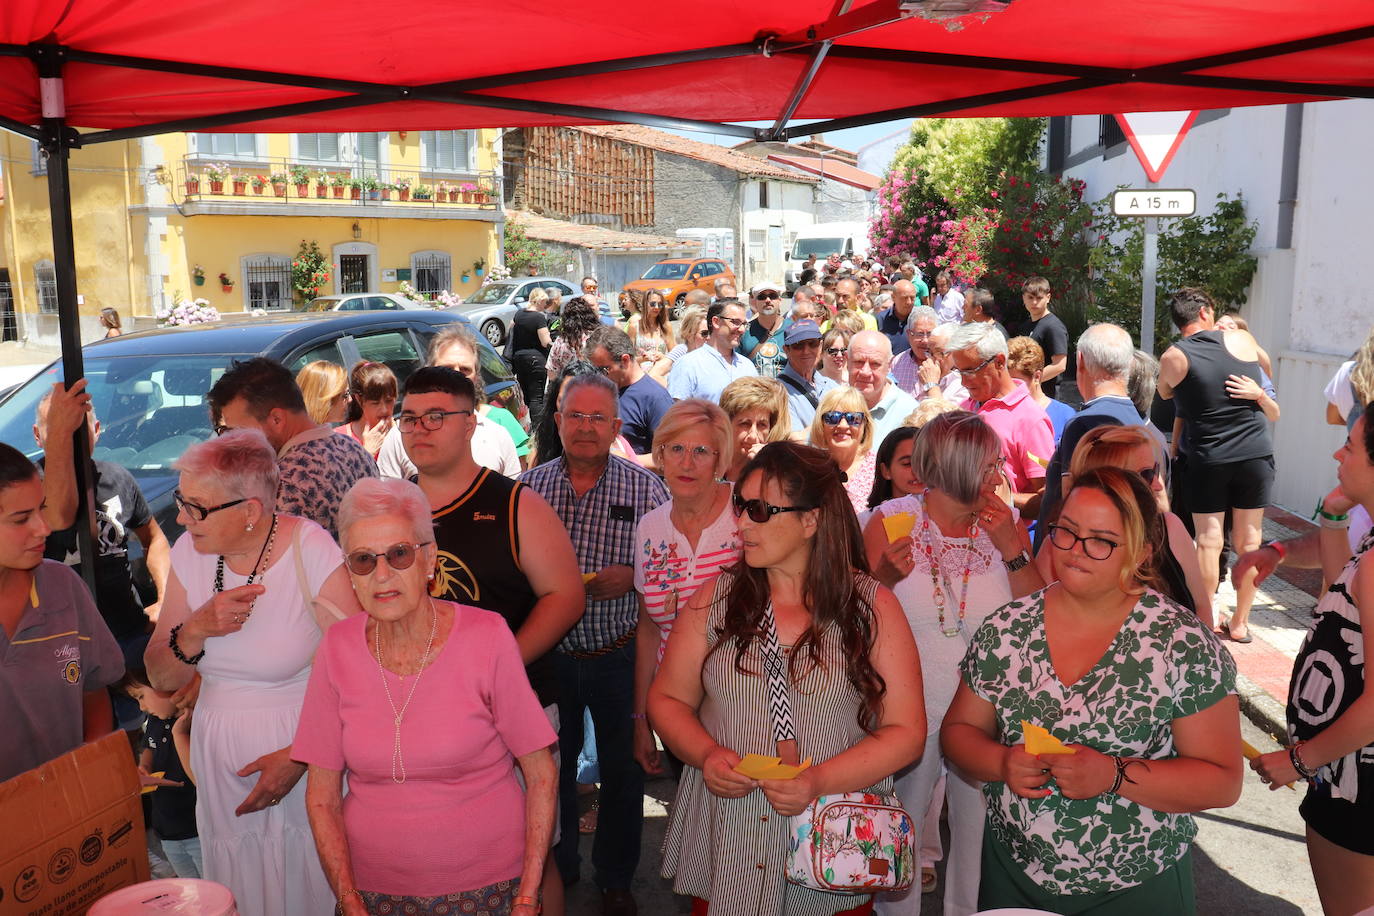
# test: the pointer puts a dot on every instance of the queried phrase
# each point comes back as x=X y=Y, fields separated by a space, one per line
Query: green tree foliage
x=522 y=252
x=309 y=271
x=961 y=158
x=1211 y=251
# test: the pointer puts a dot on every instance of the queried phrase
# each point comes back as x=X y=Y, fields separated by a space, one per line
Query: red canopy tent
x=132 y=68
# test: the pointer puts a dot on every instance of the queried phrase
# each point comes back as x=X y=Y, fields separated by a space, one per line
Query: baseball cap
x=847 y=265
x=801 y=330
x=760 y=287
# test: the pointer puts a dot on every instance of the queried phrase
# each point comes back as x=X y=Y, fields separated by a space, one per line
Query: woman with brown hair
x=579 y=318
x=650 y=331
x=373 y=388
x=757 y=408
x=1139 y=692
x=854 y=680
x=834 y=363
x=324 y=385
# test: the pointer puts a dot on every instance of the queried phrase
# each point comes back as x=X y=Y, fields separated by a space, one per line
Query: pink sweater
x=458 y=822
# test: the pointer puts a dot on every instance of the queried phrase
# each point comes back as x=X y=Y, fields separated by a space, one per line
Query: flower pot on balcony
x=193 y=186
x=386 y=193
x=258 y=188
x=321 y=190
x=357 y=193
x=338 y=191
x=374 y=195
x=403 y=194
x=216 y=187
x=303 y=190
x=240 y=187
x=280 y=189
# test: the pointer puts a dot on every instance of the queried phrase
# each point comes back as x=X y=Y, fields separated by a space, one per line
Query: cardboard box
x=73 y=831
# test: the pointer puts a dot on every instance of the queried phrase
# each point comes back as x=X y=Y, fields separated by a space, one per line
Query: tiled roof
x=695 y=149
x=596 y=237
x=833 y=169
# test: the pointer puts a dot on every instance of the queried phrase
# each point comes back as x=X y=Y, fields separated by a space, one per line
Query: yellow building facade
x=159 y=220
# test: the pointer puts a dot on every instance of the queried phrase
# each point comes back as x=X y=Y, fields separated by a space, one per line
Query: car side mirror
x=520 y=300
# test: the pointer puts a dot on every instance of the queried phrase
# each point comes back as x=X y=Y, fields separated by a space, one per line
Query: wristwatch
x=1018 y=562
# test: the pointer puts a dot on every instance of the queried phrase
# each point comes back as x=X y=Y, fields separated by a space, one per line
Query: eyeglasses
x=430 y=419
x=698 y=452
x=998 y=463
x=596 y=419
x=978 y=368
x=221 y=429
x=836 y=352
x=734 y=322
x=767 y=295
x=1096 y=548
x=919 y=335
x=398 y=557
x=1150 y=474
x=200 y=513
x=759 y=511
x=852 y=417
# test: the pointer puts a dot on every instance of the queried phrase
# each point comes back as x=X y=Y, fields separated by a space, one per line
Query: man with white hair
x=870 y=359
x=980 y=356
x=1105 y=355
x=906 y=368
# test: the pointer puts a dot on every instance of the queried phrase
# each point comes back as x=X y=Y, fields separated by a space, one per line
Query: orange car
x=676 y=277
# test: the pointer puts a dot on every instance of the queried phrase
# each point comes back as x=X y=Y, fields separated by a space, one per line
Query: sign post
x=1155 y=137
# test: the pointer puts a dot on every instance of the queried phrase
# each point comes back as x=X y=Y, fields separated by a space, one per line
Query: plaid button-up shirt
x=601 y=523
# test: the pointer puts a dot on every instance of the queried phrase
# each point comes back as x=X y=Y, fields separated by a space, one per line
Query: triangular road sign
x=1155 y=136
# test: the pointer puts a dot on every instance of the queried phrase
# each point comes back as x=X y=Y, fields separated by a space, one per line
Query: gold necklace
x=397 y=762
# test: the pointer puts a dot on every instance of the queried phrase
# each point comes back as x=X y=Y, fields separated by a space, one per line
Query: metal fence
x=269 y=283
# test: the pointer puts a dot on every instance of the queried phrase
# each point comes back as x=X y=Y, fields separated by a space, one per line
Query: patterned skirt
x=493 y=900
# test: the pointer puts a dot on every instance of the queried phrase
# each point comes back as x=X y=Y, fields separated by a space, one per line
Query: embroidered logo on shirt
x=481 y=517
x=453 y=579
x=71 y=672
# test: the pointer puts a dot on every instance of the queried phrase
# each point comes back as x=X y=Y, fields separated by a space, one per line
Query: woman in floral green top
x=1139 y=691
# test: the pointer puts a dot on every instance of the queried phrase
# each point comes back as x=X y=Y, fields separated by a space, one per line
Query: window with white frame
x=45 y=280
x=446 y=150
x=267 y=281
x=432 y=271
x=227 y=146
x=320 y=147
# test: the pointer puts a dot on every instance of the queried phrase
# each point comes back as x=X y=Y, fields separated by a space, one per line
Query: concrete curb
x=1262 y=709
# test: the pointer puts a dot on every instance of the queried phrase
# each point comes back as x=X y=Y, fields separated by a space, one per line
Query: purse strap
x=779 y=700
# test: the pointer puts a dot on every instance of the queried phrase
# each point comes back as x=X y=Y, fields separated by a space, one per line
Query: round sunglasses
x=398 y=557
x=852 y=417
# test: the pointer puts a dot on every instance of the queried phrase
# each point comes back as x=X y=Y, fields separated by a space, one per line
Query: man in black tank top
x=501 y=546
x=1214 y=376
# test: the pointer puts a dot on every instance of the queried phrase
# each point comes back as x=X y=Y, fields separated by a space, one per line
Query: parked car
x=148 y=387
x=492 y=308
x=676 y=277
x=361 y=302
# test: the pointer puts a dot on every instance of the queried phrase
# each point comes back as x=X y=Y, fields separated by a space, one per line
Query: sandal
x=587 y=822
x=928 y=880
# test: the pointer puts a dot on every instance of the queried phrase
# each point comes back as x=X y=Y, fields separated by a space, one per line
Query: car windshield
x=490 y=294
x=150 y=408
x=666 y=271
x=821 y=248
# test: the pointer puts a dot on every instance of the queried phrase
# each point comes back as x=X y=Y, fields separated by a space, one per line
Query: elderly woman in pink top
x=683 y=543
x=425 y=705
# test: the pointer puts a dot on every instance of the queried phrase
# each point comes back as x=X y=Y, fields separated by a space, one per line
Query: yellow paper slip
x=898 y=525
x=587 y=577
x=157 y=775
x=757 y=766
x=1040 y=741
x=1251 y=752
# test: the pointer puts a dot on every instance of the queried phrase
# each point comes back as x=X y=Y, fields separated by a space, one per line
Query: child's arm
x=181 y=737
x=145 y=760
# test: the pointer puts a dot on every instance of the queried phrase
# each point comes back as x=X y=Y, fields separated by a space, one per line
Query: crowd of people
x=388 y=633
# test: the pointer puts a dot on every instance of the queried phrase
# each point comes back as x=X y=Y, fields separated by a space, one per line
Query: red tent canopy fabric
x=140 y=67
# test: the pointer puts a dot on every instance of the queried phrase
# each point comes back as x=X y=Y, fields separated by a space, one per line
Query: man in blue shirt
x=762 y=340
x=892 y=321
x=643 y=401
x=803 y=384
x=704 y=372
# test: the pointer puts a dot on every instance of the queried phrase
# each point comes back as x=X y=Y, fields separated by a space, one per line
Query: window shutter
x=308 y=146
x=445 y=150
x=368 y=148
x=329 y=146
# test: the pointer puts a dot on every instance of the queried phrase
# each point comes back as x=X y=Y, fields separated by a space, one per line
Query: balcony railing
x=341 y=185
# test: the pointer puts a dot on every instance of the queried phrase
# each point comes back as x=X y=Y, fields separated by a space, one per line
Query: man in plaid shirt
x=600 y=499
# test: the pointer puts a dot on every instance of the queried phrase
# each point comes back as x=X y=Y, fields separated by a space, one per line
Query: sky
x=853 y=139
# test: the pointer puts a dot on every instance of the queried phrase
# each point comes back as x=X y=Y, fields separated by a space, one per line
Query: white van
x=848 y=240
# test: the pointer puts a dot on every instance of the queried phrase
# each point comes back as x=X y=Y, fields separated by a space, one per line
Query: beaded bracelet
x=1295 y=759
x=176 y=649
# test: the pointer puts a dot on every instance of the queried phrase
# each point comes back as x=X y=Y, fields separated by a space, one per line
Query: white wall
x=792 y=205
x=1310 y=304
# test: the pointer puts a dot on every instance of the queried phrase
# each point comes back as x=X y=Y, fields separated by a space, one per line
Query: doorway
x=9 y=322
x=353 y=273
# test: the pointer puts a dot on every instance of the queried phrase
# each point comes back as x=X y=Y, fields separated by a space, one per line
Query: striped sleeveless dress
x=733 y=851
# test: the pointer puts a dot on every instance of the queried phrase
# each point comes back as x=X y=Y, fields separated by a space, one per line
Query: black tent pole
x=58 y=140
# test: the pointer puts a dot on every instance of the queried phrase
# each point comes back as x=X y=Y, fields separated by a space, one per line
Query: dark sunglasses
x=760 y=511
x=833 y=417
x=398 y=557
x=1150 y=474
x=767 y=295
x=836 y=352
x=201 y=513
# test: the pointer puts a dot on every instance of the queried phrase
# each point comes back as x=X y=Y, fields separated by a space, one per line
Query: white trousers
x=966 y=809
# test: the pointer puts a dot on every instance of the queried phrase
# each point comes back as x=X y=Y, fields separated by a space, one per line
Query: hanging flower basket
x=200 y=280
x=228 y=289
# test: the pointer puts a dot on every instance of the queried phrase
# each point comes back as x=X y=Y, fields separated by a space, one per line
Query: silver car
x=361 y=302
x=492 y=308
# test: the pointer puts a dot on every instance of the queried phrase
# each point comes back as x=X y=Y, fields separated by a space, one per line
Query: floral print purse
x=849 y=843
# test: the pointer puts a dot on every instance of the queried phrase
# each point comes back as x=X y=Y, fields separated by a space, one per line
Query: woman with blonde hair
x=324 y=385
x=692 y=333
x=843 y=427
x=1131 y=448
x=649 y=330
x=683 y=543
x=758 y=412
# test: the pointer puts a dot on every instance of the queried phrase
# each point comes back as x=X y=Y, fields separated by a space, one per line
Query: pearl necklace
x=397 y=763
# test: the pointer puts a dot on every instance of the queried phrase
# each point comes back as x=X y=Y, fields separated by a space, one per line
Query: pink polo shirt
x=1025 y=430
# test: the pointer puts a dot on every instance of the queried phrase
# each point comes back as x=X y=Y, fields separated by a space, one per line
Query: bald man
x=892 y=321
x=870 y=360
